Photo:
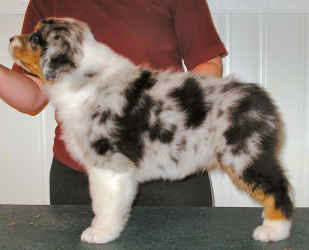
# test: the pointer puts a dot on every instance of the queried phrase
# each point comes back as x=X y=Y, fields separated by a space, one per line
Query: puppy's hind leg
x=112 y=189
x=265 y=181
x=249 y=155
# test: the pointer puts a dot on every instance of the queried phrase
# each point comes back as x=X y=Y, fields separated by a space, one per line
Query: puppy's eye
x=35 y=39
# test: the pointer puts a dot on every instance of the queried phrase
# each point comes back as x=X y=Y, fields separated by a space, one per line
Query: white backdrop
x=268 y=42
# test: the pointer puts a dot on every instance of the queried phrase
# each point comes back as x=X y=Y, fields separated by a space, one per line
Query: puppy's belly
x=168 y=164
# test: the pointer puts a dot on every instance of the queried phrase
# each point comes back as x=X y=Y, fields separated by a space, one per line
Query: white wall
x=268 y=41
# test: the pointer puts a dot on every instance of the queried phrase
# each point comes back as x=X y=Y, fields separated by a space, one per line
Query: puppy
x=127 y=124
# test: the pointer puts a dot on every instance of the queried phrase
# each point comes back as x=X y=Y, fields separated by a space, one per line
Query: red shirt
x=158 y=33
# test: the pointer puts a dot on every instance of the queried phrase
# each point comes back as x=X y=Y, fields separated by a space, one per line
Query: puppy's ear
x=63 y=50
x=58 y=64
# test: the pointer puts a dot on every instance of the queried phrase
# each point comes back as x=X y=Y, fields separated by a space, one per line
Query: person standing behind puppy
x=156 y=33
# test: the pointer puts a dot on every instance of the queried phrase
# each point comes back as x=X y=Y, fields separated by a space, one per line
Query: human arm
x=199 y=43
x=18 y=89
x=21 y=91
x=213 y=67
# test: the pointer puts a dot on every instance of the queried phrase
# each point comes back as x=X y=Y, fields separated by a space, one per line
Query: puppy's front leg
x=112 y=189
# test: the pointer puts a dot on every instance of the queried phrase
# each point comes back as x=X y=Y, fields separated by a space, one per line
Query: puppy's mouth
x=26 y=56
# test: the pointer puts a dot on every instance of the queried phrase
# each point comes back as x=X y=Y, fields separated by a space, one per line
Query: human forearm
x=21 y=92
x=212 y=67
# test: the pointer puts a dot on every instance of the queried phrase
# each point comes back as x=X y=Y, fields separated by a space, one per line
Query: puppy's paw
x=98 y=236
x=272 y=230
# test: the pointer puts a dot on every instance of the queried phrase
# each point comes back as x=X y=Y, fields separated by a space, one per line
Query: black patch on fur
x=101 y=146
x=104 y=116
x=243 y=126
x=95 y=115
x=135 y=119
x=60 y=29
x=266 y=173
x=190 y=98
x=130 y=128
x=37 y=39
x=157 y=132
x=60 y=61
x=48 y=21
x=136 y=89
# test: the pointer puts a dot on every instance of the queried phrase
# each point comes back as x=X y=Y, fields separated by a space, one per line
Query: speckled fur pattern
x=128 y=124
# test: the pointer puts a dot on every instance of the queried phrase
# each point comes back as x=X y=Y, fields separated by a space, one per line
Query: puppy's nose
x=12 y=39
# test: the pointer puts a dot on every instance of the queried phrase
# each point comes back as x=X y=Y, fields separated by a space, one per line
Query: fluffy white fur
x=272 y=230
x=113 y=192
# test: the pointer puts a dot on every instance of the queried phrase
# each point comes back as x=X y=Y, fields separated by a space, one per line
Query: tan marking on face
x=268 y=201
x=27 y=56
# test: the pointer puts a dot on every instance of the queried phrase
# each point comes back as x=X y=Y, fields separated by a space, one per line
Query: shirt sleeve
x=197 y=36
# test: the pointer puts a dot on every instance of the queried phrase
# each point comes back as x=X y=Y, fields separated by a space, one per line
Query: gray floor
x=59 y=227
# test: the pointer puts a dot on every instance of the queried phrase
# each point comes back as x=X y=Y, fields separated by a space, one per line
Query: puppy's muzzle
x=25 y=55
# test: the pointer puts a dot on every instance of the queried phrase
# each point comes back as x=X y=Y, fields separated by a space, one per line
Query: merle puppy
x=127 y=124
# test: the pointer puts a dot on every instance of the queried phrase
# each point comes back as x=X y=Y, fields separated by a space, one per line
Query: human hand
x=21 y=91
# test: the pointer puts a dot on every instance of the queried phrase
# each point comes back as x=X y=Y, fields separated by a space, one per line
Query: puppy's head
x=53 y=49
